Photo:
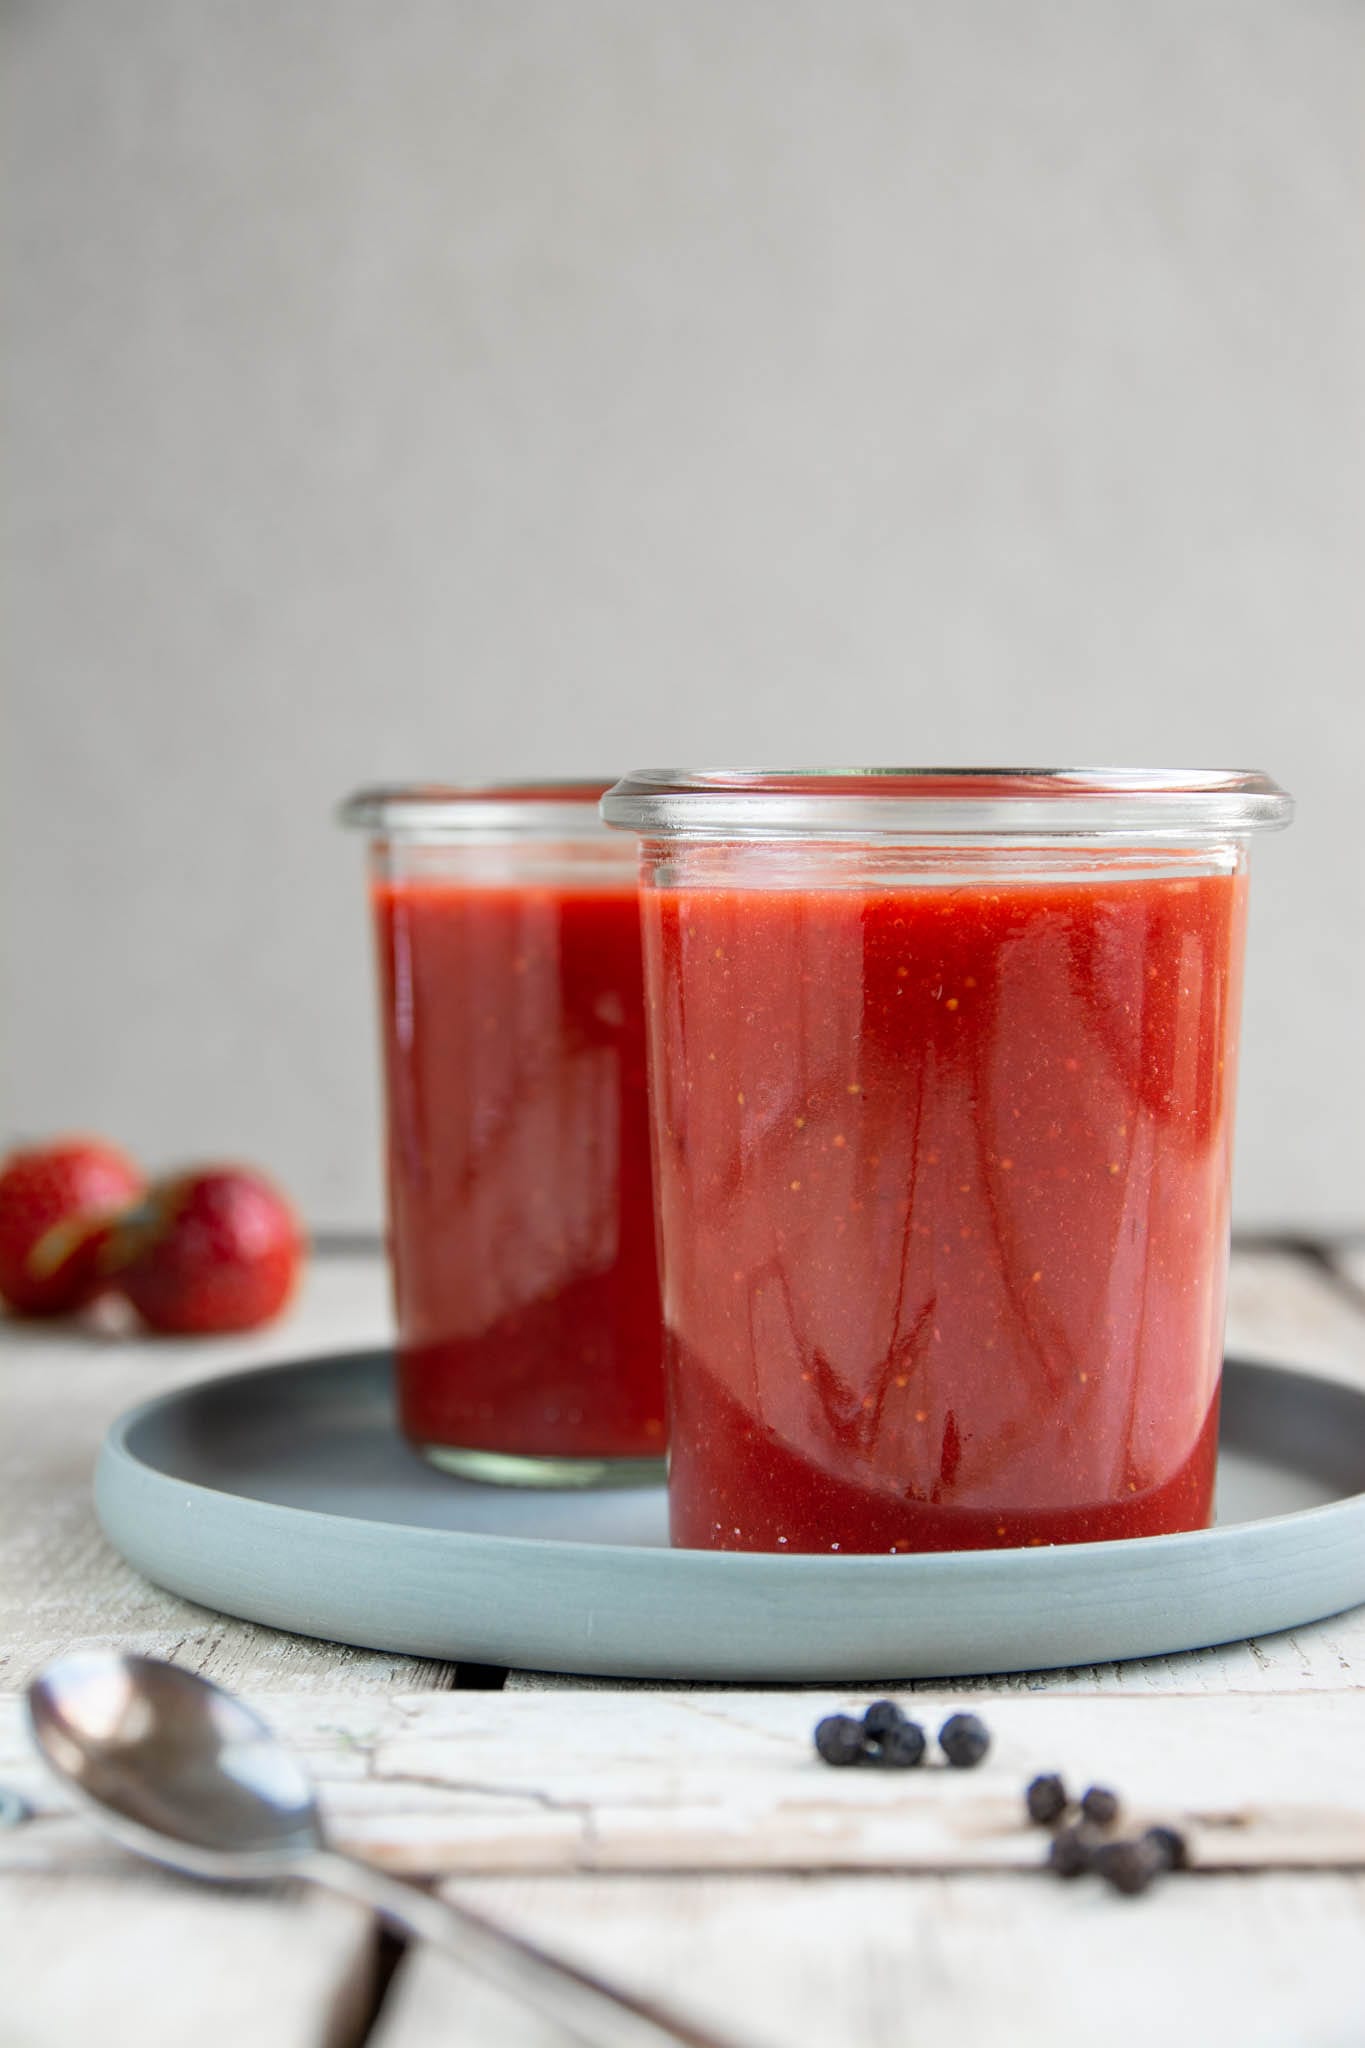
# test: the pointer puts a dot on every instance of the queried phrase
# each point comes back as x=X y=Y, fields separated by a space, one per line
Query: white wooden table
x=683 y=1838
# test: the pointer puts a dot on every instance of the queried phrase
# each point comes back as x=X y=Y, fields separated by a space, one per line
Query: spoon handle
x=595 y=2012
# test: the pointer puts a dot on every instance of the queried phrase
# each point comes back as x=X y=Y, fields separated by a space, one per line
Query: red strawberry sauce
x=943 y=1175
x=519 y=1177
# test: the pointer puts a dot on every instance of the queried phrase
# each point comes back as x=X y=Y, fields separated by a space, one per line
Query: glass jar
x=943 y=1070
x=521 y=1225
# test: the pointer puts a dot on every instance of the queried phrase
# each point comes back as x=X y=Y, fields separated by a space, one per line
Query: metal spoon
x=178 y=1770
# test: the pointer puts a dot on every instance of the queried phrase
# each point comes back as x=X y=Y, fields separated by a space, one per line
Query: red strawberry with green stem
x=55 y=1204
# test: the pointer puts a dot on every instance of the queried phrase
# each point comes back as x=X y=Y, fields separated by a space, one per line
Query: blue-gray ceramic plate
x=286 y=1497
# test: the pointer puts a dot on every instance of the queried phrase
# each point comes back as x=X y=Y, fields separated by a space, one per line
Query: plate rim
x=117 y=1453
x=572 y=1605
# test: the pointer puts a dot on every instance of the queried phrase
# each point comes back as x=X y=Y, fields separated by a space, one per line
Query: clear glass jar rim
x=952 y=803
x=441 y=810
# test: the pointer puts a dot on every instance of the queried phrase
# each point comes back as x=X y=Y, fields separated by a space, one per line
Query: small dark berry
x=964 y=1740
x=902 y=1747
x=1127 y=1867
x=1169 y=1846
x=1070 y=1852
x=1100 y=1806
x=1046 y=1799
x=880 y=1716
x=839 y=1739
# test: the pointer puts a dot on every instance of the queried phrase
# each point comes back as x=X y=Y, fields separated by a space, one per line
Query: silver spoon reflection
x=178 y=1770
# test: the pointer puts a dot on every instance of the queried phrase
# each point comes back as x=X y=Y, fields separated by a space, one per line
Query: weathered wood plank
x=913 y=1962
x=141 y=1958
x=445 y=1782
x=62 y=1586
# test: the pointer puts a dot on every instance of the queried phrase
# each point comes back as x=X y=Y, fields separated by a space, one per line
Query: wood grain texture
x=914 y=1962
x=479 y=1782
x=142 y=1958
x=62 y=1586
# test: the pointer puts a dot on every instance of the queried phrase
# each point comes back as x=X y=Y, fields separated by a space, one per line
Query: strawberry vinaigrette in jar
x=521 y=1224
x=943 y=1071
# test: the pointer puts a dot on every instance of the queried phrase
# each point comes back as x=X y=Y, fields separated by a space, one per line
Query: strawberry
x=53 y=1198
x=208 y=1251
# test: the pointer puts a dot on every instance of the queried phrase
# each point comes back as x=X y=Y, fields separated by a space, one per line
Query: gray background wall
x=450 y=387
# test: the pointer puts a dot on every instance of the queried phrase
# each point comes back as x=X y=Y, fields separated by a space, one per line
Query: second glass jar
x=521 y=1223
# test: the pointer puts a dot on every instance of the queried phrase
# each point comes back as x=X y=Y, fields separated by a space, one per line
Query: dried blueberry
x=1070 y=1852
x=1100 y=1806
x=1169 y=1846
x=964 y=1740
x=881 y=1716
x=839 y=1739
x=1046 y=1799
x=903 y=1746
x=1127 y=1867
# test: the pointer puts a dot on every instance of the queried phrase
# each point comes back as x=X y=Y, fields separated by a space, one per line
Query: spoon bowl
x=176 y=1768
